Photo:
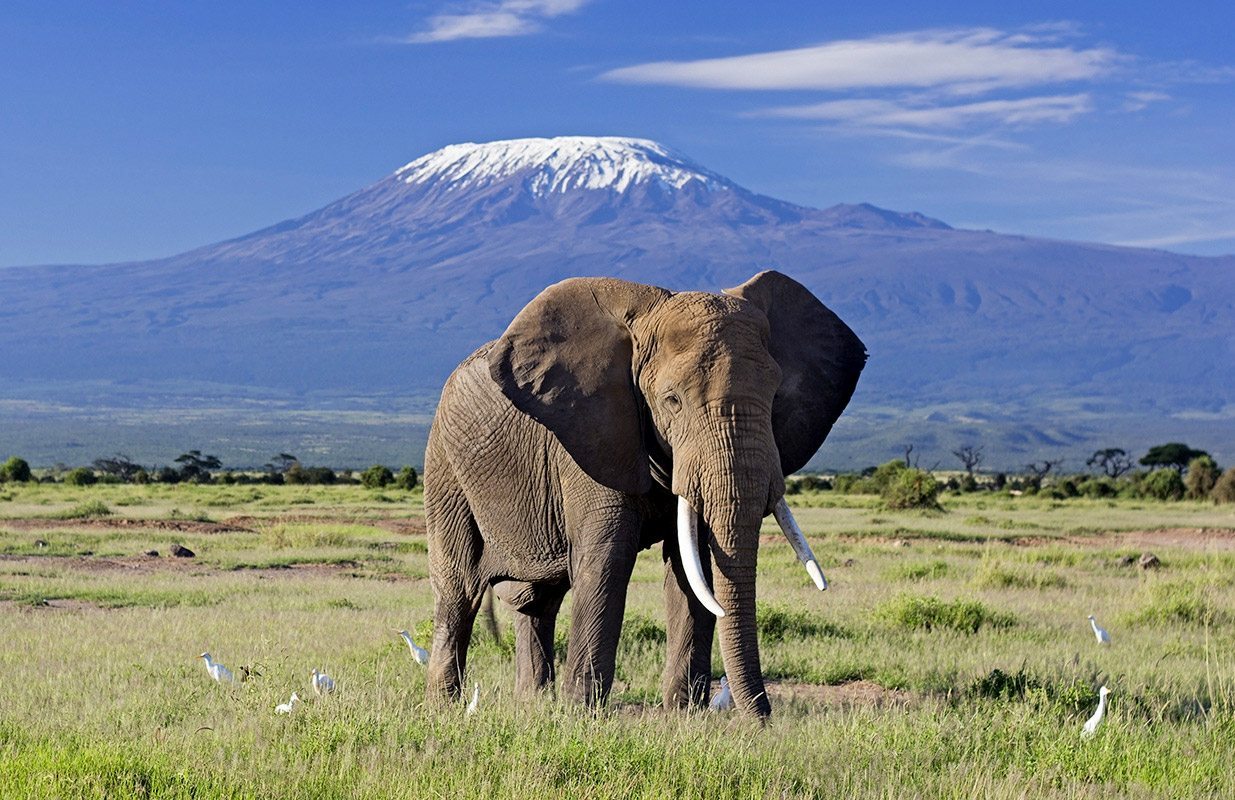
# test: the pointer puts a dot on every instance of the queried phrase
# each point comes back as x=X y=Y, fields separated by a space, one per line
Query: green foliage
x=1224 y=489
x=406 y=479
x=1163 y=484
x=1178 y=603
x=15 y=470
x=1175 y=455
x=302 y=476
x=377 y=477
x=642 y=629
x=929 y=613
x=911 y=488
x=778 y=623
x=1202 y=477
x=93 y=508
x=993 y=575
x=1097 y=488
x=931 y=570
x=81 y=476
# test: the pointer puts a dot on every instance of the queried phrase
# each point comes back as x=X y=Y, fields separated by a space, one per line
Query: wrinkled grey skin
x=557 y=450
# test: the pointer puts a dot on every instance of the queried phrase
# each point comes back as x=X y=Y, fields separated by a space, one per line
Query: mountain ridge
x=381 y=292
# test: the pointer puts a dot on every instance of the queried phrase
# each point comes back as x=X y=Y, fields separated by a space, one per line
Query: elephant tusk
x=797 y=540
x=688 y=549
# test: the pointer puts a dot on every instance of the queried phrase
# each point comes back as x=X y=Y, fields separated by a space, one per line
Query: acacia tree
x=118 y=465
x=1112 y=461
x=1175 y=455
x=196 y=467
x=971 y=457
x=1040 y=471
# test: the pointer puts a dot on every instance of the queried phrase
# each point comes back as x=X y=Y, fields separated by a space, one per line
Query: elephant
x=609 y=414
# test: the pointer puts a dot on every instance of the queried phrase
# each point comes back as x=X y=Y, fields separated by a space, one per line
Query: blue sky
x=134 y=130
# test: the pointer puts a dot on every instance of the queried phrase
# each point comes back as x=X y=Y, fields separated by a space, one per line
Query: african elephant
x=572 y=442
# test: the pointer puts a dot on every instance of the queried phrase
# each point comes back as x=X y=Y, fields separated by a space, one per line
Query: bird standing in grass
x=322 y=683
x=286 y=708
x=1100 y=633
x=475 y=704
x=220 y=673
x=722 y=700
x=419 y=653
x=1091 y=726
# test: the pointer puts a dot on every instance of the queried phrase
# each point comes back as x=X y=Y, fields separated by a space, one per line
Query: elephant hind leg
x=535 y=608
x=455 y=549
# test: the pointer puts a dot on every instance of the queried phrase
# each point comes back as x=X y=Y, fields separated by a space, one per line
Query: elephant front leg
x=599 y=577
x=687 y=678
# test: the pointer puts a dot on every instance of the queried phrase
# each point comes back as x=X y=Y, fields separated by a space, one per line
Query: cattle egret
x=322 y=683
x=475 y=704
x=419 y=653
x=1091 y=727
x=1100 y=633
x=220 y=673
x=286 y=708
x=722 y=700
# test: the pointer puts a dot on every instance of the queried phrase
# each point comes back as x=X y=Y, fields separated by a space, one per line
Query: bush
x=1097 y=488
x=777 y=623
x=1202 y=476
x=1224 y=489
x=95 y=508
x=300 y=475
x=1178 y=603
x=912 y=489
x=1163 y=484
x=929 y=613
x=406 y=479
x=377 y=477
x=167 y=475
x=15 y=470
x=80 y=477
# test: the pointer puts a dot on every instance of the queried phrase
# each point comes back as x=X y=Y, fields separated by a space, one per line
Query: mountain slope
x=1024 y=343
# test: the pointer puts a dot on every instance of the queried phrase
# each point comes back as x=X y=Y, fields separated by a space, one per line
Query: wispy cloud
x=969 y=60
x=487 y=20
x=918 y=114
x=1139 y=101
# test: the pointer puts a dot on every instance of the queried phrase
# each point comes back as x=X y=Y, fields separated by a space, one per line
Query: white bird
x=475 y=704
x=220 y=673
x=419 y=653
x=286 y=708
x=722 y=700
x=322 y=683
x=1100 y=633
x=1091 y=726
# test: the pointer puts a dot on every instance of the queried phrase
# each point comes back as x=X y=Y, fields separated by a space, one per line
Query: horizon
x=143 y=135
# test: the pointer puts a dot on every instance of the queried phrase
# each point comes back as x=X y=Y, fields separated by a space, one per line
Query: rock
x=900 y=543
x=1125 y=561
x=152 y=553
x=40 y=543
x=849 y=562
x=180 y=551
x=1148 y=561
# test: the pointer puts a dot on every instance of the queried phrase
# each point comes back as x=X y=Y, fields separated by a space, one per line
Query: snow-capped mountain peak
x=559 y=165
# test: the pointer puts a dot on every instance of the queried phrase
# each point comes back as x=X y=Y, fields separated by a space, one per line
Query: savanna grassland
x=951 y=656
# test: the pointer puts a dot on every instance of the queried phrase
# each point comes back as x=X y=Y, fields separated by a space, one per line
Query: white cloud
x=1139 y=101
x=487 y=20
x=904 y=112
x=964 y=60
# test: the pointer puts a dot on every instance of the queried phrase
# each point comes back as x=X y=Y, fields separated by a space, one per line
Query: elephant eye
x=673 y=403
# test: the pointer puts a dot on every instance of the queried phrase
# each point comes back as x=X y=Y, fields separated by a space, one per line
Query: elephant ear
x=820 y=360
x=566 y=361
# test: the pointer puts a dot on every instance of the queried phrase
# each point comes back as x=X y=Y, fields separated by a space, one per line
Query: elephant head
x=716 y=396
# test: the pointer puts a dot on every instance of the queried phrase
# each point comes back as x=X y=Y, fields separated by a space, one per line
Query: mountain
x=1034 y=348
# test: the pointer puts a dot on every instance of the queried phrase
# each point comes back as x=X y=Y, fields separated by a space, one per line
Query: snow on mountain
x=560 y=165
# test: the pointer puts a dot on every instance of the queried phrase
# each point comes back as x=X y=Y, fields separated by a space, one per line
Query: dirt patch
x=855 y=694
x=150 y=564
x=409 y=527
x=122 y=523
x=1219 y=539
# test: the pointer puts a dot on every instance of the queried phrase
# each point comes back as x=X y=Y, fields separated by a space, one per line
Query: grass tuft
x=931 y=613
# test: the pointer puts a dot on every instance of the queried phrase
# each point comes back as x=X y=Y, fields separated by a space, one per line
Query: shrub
x=637 y=628
x=1177 y=603
x=1202 y=476
x=15 y=470
x=377 y=476
x=931 y=570
x=95 y=508
x=912 y=489
x=992 y=575
x=1097 y=488
x=80 y=476
x=301 y=475
x=406 y=479
x=1163 y=484
x=929 y=613
x=167 y=475
x=1224 y=489
x=777 y=623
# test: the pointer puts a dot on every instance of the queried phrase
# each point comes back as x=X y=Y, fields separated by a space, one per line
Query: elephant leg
x=687 y=679
x=455 y=548
x=600 y=573
x=534 y=667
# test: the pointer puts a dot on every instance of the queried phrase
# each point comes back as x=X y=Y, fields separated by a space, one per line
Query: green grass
x=980 y=631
